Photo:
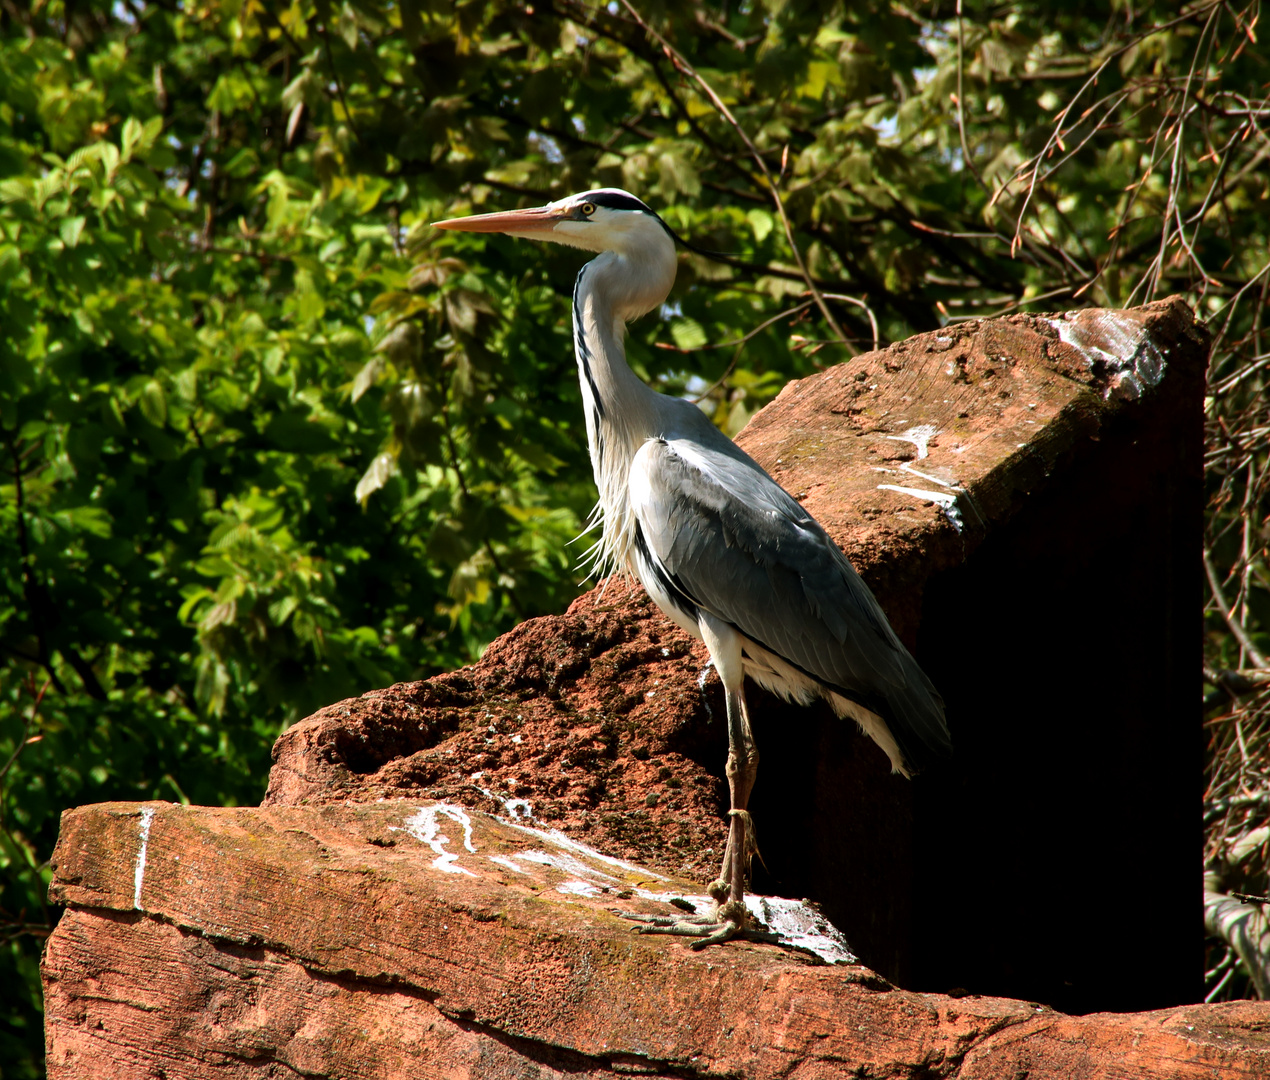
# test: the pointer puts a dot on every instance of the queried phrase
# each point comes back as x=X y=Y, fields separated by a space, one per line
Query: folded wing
x=737 y=545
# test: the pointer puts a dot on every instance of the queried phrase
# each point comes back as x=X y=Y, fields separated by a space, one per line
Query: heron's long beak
x=538 y=219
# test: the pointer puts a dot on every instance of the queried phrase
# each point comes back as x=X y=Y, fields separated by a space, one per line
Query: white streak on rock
x=1118 y=343
x=577 y=888
x=704 y=674
x=565 y=863
x=796 y=922
x=701 y=685
x=803 y=927
x=944 y=498
x=947 y=500
x=425 y=826
x=919 y=436
x=139 y=873
x=908 y=468
x=556 y=838
x=519 y=808
x=508 y=863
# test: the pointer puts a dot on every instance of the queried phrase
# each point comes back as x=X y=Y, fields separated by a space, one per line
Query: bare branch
x=744 y=338
x=1236 y=628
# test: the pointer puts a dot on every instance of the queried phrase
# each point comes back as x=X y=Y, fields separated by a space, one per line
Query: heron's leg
x=724 y=644
x=729 y=919
x=741 y=770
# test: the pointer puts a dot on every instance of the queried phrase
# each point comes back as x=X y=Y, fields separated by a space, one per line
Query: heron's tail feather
x=916 y=719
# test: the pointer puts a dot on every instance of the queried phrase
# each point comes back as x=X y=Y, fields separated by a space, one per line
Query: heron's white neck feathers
x=621 y=412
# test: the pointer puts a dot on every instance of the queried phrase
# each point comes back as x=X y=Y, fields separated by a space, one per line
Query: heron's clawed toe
x=704 y=931
x=725 y=931
x=729 y=920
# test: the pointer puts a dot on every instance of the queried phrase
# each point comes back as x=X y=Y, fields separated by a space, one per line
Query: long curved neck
x=621 y=412
x=615 y=400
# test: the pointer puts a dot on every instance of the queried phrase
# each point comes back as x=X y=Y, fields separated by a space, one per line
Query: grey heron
x=721 y=548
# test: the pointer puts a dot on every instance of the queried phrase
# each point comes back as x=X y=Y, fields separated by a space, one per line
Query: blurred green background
x=267 y=440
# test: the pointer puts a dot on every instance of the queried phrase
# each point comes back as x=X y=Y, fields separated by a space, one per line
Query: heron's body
x=721 y=548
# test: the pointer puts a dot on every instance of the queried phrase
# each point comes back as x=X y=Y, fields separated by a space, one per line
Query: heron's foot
x=730 y=920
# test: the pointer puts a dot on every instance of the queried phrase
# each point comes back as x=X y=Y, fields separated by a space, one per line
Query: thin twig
x=1241 y=635
x=1032 y=165
x=873 y=321
x=961 y=108
x=1174 y=177
x=744 y=338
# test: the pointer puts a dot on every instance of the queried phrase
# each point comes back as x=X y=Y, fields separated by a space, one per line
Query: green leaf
x=17 y=189
x=346 y=26
x=280 y=610
x=194 y=596
x=761 y=222
x=129 y=137
x=10 y=262
x=377 y=474
x=366 y=377
x=688 y=333
x=110 y=158
x=402 y=344
x=154 y=403
x=94 y=520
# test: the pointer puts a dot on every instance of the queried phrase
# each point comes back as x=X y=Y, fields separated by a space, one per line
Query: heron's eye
x=587 y=209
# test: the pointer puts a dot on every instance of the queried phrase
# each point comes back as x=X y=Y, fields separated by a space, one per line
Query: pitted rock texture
x=596 y=718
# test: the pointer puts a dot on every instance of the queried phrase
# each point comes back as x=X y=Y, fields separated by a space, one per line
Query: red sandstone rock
x=372 y=941
x=589 y=714
x=322 y=935
x=597 y=717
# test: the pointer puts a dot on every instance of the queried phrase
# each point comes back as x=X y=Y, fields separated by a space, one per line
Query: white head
x=605 y=220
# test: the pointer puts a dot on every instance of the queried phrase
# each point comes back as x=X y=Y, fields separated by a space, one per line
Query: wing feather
x=737 y=545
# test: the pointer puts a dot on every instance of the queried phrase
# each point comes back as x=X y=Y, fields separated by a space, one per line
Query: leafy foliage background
x=266 y=441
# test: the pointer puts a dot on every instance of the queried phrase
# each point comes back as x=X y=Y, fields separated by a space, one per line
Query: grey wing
x=734 y=543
